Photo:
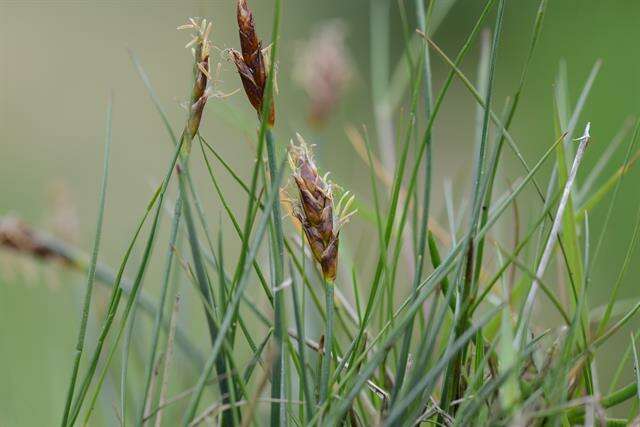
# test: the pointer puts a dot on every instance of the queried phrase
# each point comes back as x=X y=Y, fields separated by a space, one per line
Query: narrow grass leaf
x=91 y=274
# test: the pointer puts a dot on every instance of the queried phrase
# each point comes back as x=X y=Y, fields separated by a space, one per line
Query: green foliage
x=423 y=326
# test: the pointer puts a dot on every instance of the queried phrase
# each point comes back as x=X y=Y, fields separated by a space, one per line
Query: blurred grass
x=60 y=59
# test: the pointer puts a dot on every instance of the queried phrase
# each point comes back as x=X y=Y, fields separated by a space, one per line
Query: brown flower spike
x=320 y=219
x=251 y=63
x=201 y=92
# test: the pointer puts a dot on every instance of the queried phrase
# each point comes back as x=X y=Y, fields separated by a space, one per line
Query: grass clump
x=431 y=325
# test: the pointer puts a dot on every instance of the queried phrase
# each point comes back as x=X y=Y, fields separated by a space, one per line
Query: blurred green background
x=60 y=59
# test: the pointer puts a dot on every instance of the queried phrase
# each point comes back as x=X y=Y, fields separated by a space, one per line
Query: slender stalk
x=454 y=384
x=198 y=99
x=548 y=250
x=305 y=386
x=157 y=200
x=406 y=343
x=75 y=259
x=203 y=286
x=413 y=175
x=493 y=167
x=446 y=266
x=234 y=302
x=232 y=217
x=329 y=287
x=159 y=314
x=625 y=393
x=259 y=85
x=82 y=333
x=168 y=356
x=124 y=363
x=379 y=54
x=614 y=292
x=279 y=322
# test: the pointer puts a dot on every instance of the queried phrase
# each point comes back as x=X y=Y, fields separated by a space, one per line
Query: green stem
x=159 y=313
x=308 y=396
x=279 y=329
x=203 y=284
x=465 y=298
x=406 y=343
x=232 y=308
x=78 y=260
x=90 y=275
x=328 y=340
x=116 y=297
x=613 y=399
x=412 y=180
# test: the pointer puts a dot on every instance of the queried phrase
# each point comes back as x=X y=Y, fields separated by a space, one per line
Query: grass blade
x=633 y=242
x=92 y=271
x=426 y=198
x=155 y=335
x=452 y=377
x=542 y=266
x=235 y=300
x=157 y=200
x=636 y=365
x=167 y=361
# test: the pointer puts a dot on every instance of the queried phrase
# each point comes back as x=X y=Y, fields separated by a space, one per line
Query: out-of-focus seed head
x=16 y=235
x=320 y=218
x=323 y=68
x=250 y=62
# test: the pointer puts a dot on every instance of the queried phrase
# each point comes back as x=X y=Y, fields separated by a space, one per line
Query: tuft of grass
x=485 y=321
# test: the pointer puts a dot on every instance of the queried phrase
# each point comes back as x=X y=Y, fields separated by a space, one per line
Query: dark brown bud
x=250 y=62
x=249 y=42
x=319 y=218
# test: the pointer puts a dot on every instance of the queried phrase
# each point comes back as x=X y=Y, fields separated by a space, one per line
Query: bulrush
x=201 y=91
x=251 y=63
x=321 y=220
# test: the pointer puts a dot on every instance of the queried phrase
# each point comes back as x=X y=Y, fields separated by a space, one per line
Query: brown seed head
x=319 y=217
x=249 y=42
x=250 y=62
x=200 y=46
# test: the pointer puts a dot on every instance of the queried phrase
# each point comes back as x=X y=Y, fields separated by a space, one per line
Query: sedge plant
x=418 y=312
